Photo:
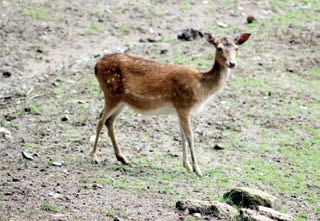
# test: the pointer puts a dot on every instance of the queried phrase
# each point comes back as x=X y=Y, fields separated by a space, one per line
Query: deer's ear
x=210 y=38
x=242 y=38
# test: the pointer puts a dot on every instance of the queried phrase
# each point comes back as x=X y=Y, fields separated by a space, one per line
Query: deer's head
x=226 y=48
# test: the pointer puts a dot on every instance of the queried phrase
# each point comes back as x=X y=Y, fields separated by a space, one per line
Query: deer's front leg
x=186 y=163
x=186 y=127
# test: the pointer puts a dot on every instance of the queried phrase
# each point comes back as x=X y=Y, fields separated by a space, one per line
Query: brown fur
x=147 y=85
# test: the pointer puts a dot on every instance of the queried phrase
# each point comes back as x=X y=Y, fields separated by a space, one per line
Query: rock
x=222 y=25
x=274 y=214
x=116 y=218
x=95 y=186
x=27 y=155
x=6 y=74
x=263 y=214
x=251 y=19
x=250 y=198
x=55 y=195
x=56 y=163
x=197 y=215
x=252 y=215
x=9 y=117
x=65 y=118
x=164 y=51
x=4 y=132
x=217 y=209
x=14 y=179
x=218 y=147
x=190 y=34
x=154 y=39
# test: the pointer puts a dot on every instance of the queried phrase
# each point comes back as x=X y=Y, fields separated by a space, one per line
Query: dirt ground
x=266 y=119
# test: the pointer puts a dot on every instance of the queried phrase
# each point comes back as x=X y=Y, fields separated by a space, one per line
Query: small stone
x=9 y=117
x=4 y=132
x=154 y=39
x=6 y=74
x=164 y=51
x=96 y=185
x=222 y=25
x=65 y=118
x=251 y=19
x=55 y=195
x=56 y=163
x=190 y=34
x=218 y=147
x=197 y=215
x=15 y=179
x=27 y=155
x=27 y=109
x=116 y=218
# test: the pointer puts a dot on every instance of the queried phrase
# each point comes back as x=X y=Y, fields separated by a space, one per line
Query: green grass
x=50 y=207
x=158 y=12
x=185 y=6
x=124 y=27
x=34 y=109
x=93 y=27
x=111 y=213
x=28 y=146
x=38 y=14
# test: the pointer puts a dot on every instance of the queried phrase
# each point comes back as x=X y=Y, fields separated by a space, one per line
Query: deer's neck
x=214 y=79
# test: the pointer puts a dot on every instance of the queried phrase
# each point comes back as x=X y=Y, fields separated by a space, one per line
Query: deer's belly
x=165 y=109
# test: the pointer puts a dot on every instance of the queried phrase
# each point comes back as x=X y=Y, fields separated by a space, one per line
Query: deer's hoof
x=198 y=172
x=94 y=158
x=187 y=166
x=123 y=160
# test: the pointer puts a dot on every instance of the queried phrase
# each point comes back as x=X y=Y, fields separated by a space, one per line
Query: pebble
x=218 y=147
x=4 y=132
x=197 y=215
x=65 y=118
x=57 y=163
x=6 y=74
x=221 y=24
x=251 y=19
x=27 y=155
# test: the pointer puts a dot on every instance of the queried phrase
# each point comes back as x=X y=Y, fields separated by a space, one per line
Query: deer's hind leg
x=107 y=111
x=110 y=125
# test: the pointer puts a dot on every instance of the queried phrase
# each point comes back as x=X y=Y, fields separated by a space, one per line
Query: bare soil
x=266 y=119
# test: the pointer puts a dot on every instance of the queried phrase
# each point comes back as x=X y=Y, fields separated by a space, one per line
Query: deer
x=156 y=88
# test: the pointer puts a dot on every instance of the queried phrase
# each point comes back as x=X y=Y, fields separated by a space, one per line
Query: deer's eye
x=219 y=50
x=237 y=49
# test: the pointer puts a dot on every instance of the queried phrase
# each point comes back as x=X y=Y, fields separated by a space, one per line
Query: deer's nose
x=231 y=64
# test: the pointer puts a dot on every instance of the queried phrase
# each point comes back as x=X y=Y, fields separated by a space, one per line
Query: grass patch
x=50 y=207
x=38 y=14
x=93 y=27
x=28 y=146
x=111 y=213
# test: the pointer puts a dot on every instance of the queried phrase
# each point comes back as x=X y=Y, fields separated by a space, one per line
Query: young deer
x=152 y=87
